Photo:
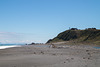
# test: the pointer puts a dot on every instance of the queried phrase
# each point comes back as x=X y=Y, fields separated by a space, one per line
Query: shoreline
x=11 y=46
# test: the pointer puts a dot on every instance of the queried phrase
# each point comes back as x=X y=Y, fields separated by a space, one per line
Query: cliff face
x=88 y=35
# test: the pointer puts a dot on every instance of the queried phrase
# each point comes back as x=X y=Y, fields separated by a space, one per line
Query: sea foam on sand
x=4 y=47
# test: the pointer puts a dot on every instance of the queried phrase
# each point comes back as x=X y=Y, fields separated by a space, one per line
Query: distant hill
x=89 y=35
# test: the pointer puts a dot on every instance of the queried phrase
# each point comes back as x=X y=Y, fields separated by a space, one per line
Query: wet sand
x=69 y=56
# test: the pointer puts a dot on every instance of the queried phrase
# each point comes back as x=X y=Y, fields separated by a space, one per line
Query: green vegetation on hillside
x=90 y=35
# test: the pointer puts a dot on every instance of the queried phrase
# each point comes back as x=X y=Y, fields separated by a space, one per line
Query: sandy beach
x=68 y=56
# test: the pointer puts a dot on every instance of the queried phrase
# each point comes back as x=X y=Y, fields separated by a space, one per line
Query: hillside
x=90 y=35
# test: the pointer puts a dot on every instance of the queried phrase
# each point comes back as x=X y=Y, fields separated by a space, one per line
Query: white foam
x=4 y=47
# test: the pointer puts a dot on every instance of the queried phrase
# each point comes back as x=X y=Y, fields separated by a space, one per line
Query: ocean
x=10 y=44
x=4 y=46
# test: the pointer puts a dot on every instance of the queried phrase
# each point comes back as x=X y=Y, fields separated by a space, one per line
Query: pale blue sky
x=40 y=20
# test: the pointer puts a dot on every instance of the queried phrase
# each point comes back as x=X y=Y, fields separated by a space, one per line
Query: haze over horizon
x=26 y=21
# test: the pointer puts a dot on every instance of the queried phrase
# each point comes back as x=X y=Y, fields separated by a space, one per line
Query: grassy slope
x=79 y=36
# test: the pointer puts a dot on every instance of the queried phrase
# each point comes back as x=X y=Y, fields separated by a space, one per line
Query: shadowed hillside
x=90 y=35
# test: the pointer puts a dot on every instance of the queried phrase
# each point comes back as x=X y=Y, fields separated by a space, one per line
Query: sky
x=26 y=21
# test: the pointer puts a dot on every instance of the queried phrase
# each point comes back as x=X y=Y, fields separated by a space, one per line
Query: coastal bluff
x=77 y=36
